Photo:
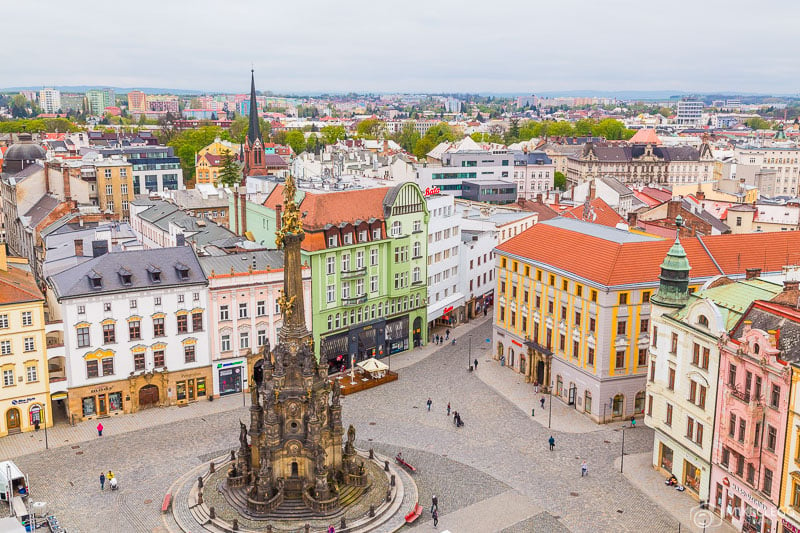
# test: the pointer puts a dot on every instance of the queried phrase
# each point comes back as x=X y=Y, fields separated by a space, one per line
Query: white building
x=135 y=330
x=465 y=160
x=690 y=112
x=611 y=190
x=445 y=300
x=50 y=100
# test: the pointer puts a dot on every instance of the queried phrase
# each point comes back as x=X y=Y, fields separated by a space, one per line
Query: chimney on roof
x=539 y=198
x=674 y=208
x=791 y=285
x=753 y=273
x=633 y=219
x=99 y=248
x=591 y=190
x=700 y=195
x=78 y=247
x=521 y=201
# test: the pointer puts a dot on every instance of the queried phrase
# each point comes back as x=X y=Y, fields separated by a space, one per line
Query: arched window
x=703 y=321
x=330 y=321
x=337 y=321
x=416 y=276
x=417 y=249
x=638 y=404
x=618 y=405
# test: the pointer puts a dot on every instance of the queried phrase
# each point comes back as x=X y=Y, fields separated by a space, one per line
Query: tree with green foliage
x=485 y=137
x=560 y=128
x=612 y=129
x=312 y=142
x=407 y=137
x=20 y=107
x=584 y=126
x=297 y=141
x=332 y=134
x=188 y=142
x=230 y=174
x=512 y=135
x=559 y=181
x=241 y=125
x=665 y=112
x=371 y=128
x=757 y=123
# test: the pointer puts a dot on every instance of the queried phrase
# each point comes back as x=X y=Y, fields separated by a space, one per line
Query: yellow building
x=115 y=188
x=23 y=360
x=719 y=191
x=789 y=502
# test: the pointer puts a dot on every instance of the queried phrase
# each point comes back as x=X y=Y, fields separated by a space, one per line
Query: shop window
x=88 y=406
x=201 y=387
x=35 y=414
x=115 y=401
x=180 y=388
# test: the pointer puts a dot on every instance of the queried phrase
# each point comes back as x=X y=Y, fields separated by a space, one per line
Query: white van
x=12 y=481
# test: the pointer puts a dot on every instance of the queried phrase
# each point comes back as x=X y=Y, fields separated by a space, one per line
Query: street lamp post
x=622 y=452
x=46 y=446
x=469 y=354
x=550 y=416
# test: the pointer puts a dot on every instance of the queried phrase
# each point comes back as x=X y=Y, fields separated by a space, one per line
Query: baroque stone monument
x=293 y=449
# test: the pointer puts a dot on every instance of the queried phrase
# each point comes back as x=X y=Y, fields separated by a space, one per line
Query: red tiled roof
x=600 y=213
x=333 y=208
x=611 y=263
x=18 y=285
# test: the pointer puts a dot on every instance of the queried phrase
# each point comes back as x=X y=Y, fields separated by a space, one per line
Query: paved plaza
x=495 y=474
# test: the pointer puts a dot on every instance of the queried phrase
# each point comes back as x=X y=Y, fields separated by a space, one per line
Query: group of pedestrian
x=441 y=339
x=112 y=480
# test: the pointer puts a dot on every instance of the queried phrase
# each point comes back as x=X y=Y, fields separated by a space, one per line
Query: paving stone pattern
x=499 y=447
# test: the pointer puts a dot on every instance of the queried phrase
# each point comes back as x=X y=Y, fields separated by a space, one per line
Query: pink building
x=243 y=292
x=752 y=410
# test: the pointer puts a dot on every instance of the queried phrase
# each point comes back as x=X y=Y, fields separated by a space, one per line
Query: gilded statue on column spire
x=290 y=219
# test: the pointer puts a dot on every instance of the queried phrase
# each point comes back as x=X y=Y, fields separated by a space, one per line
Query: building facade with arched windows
x=135 y=330
x=24 y=399
x=367 y=250
x=572 y=300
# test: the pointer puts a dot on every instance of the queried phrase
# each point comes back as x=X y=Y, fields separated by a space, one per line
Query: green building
x=99 y=99
x=367 y=249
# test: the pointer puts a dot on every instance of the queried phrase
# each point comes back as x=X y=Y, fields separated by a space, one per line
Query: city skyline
x=453 y=48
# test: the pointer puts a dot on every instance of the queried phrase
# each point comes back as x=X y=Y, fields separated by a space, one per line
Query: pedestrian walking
x=552 y=442
x=455 y=418
x=536 y=387
x=102 y=481
x=331 y=529
x=484 y=311
x=448 y=408
x=454 y=341
x=633 y=422
x=430 y=402
x=434 y=504
x=100 y=429
x=476 y=364
x=541 y=401
x=584 y=468
x=447 y=334
x=435 y=514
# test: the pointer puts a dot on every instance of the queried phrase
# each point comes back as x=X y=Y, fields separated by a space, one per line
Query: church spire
x=254 y=132
x=673 y=288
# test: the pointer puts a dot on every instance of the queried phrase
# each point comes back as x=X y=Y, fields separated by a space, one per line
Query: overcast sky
x=520 y=46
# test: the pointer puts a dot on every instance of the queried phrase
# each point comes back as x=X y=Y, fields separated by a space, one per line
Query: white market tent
x=376 y=368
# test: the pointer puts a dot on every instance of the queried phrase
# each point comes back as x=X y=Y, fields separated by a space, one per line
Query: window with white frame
x=376 y=234
x=373 y=257
x=261 y=308
x=397 y=228
x=225 y=343
x=345 y=262
x=417 y=226
x=373 y=284
x=27 y=318
x=33 y=374
x=330 y=293
x=3 y=321
x=29 y=344
x=243 y=310
x=244 y=339
x=345 y=291
x=359 y=287
x=360 y=259
x=5 y=347
x=223 y=312
x=330 y=265
x=8 y=377
x=417 y=275
x=262 y=337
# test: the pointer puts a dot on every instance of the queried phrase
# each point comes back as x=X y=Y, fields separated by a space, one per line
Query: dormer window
x=154 y=273
x=125 y=276
x=702 y=321
x=95 y=280
x=348 y=238
x=183 y=271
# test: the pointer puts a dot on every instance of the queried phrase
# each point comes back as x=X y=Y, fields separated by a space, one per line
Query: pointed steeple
x=673 y=289
x=254 y=132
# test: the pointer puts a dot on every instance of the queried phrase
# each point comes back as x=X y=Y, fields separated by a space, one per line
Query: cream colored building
x=24 y=388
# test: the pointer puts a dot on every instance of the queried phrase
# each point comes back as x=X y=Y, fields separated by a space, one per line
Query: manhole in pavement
x=607 y=441
x=147 y=502
x=75 y=447
x=79 y=453
x=619 y=511
x=372 y=423
x=573 y=493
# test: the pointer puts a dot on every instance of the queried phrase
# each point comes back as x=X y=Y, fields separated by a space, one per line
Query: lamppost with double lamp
x=550 y=416
x=469 y=354
x=44 y=412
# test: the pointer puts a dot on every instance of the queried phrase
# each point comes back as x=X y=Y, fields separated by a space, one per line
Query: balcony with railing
x=354 y=273
x=355 y=300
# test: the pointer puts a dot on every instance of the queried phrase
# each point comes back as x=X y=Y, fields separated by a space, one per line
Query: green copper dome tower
x=673 y=290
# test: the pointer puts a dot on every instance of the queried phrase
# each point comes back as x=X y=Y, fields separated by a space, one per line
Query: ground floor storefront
x=141 y=391
x=670 y=458
x=603 y=400
x=25 y=413
x=377 y=338
x=745 y=509
x=233 y=376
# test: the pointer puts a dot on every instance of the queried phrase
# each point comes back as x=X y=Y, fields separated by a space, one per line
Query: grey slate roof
x=41 y=209
x=75 y=282
x=597 y=230
x=617 y=186
x=242 y=262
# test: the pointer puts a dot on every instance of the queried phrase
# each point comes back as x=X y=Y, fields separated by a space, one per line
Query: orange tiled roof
x=645 y=136
x=613 y=263
x=600 y=213
x=18 y=285
x=332 y=208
